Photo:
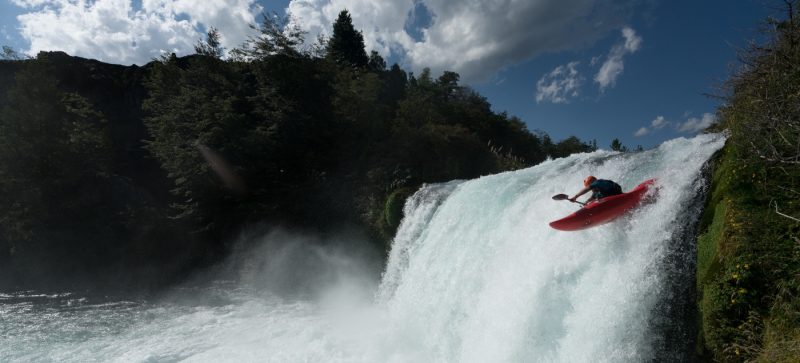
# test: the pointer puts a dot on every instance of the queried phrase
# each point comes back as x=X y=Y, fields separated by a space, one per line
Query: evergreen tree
x=616 y=145
x=346 y=46
x=569 y=146
x=11 y=54
x=275 y=37
x=376 y=62
x=395 y=82
x=211 y=46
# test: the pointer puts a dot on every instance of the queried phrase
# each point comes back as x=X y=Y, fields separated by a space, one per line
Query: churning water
x=475 y=274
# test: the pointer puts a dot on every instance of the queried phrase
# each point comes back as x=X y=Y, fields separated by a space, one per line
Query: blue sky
x=596 y=69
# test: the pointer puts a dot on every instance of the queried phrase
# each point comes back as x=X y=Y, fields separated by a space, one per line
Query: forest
x=134 y=175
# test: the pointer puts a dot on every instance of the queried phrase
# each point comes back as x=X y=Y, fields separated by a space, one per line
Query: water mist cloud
x=299 y=265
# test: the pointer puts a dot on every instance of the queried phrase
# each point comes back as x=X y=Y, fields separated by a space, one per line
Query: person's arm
x=582 y=192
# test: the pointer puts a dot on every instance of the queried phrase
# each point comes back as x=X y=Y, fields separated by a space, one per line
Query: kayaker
x=600 y=188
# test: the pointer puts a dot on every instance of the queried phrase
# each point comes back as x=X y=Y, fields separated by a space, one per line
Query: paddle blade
x=560 y=197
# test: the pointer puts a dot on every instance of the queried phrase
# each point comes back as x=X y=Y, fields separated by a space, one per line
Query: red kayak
x=604 y=210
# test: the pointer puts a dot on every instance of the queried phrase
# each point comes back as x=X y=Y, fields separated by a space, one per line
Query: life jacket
x=602 y=188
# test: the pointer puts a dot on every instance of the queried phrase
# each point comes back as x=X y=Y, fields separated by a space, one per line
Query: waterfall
x=475 y=274
x=485 y=279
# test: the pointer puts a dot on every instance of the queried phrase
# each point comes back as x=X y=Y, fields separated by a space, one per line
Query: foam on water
x=475 y=274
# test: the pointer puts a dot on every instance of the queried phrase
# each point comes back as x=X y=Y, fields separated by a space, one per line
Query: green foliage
x=270 y=134
x=570 y=145
x=376 y=62
x=51 y=143
x=11 y=54
x=749 y=258
x=202 y=106
x=316 y=132
x=55 y=163
x=211 y=46
x=346 y=46
x=393 y=211
x=274 y=38
x=616 y=145
x=742 y=257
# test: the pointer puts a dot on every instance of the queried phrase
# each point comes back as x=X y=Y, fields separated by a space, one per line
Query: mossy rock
x=393 y=210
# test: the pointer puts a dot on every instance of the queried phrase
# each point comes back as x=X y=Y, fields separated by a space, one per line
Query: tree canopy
x=346 y=45
x=268 y=133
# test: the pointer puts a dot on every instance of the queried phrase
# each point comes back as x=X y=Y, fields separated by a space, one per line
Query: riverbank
x=748 y=268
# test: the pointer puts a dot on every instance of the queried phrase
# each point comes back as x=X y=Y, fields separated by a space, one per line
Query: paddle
x=565 y=197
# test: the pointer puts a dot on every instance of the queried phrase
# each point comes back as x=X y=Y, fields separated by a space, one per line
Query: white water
x=475 y=275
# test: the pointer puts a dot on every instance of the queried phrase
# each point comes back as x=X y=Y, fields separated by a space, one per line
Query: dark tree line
x=194 y=148
x=336 y=130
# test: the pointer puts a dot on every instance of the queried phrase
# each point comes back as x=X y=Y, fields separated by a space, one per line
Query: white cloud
x=473 y=38
x=113 y=31
x=695 y=124
x=659 y=122
x=632 y=41
x=559 y=85
x=381 y=21
x=30 y=3
x=614 y=65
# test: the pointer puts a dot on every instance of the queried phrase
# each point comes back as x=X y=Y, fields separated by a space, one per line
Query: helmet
x=589 y=179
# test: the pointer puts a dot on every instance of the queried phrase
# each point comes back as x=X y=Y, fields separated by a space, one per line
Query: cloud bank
x=475 y=38
x=114 y=31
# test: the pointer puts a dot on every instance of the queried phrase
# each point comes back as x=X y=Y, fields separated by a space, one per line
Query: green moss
x=393 y=210
x=748 y=264
x=707 y=262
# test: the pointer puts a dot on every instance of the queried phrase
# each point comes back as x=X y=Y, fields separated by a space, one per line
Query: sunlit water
x=475 y=274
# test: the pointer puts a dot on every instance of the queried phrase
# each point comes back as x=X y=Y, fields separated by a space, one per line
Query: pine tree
x=616 y=145
x=346 y=46
x=275 y=37
x=376 y=62
x=211 y=46
x=11 y=54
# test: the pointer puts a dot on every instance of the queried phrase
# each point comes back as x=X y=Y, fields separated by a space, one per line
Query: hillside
x=748 y=272
x=126 y=175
